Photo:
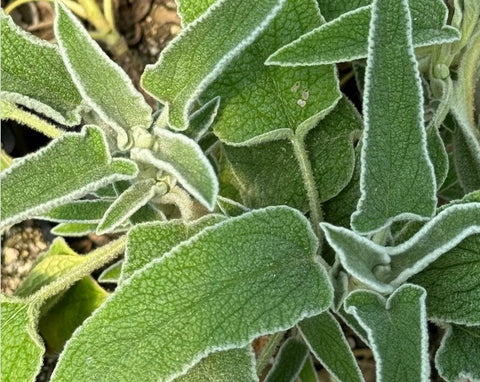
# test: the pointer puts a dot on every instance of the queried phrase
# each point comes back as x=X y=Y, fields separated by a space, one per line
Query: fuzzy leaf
x=248 y=276
x=126 y=205
x=202 y=119
x=384 y=268
x=331 y=9
x=201 y=52
x=184 y=159
x=189 y=10
x=346 y=38
x=308 y=372
x=289 y=362
x=438 y=155
x=82 y=211
x=397 y=179
x=251 y=92
x=397 y=332
x=150 y=241
x=327 y=342
x=22 y=347
x=466 y=155
x=102 y=83
x=33 y=75
x=230 y=365
x=50 y=177
x=112 y=273
x=453 y=284
x=457 y=358
x=74 y=229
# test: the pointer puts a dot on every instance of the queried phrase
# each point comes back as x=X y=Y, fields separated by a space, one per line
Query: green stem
x=93 y=261
x=268 y=351
x=316 y=213
x=13 y=112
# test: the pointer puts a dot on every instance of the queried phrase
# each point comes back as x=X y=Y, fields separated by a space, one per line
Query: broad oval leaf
x=102 y=83
x=202 y=51
x=33 y=75
x=397 y=179
x=68 y=168
x=250 y=275
x=397 y=332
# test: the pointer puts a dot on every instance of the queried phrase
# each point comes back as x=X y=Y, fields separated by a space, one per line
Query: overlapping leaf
x=289 y=361
x=201 y=52
x=239 y=279
x=86 y=211
x=67 y=168
x=189 y=10
x=346 y=37
x=33 y=75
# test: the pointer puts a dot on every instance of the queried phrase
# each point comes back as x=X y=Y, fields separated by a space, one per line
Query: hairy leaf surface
x=86 y=211
x=289 y=361
x=251 y=275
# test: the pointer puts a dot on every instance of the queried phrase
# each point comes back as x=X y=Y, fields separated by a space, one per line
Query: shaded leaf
x=112 y=273
x=202 y=119
x=289 y=361
x=308 y=372
x=74 y=229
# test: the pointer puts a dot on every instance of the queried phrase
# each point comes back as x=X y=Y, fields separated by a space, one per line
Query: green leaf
x=102 y=83
x=82 y=211
x=189 y=10
x=466 y=155
x=22 y=347
x=260 y=265
x=457 y=358
x=183 y=158
x=201 y=120
x=130 y=201
x=74 y=306
x=438 y=155
x=453 y=284
x=331 y=9
x=261 y=103
x=230 y=365
x=150 y=241
x=50 y=177
x=326 y=340
x=397 y=179
x=201 y=52
x=308 y=372
x=384 y=268
x=112 y=273
x=74 y=229
x=34 y=76
x=397 y=332
x=346 y=37
x=289 y=362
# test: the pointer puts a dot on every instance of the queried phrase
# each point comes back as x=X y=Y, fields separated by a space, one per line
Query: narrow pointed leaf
x=184 y=159
x=248 y=276
x=438 y=155
x=397 y=178
x=397 y=332
x=346 y=37
x=126 y=205
x=202 y=119
x=102 y=83
x=453 y=284
x=22 y=347
x=33 y=75
x=289 y=362
x=457 y=358
x=326 y=340
x=85 y=211
x=308 y=372
x=202 y=51
x=230 y=365
x=251 y=92
x=74 y=229
x=112 y=273
x=151 y=241
x=50 y=177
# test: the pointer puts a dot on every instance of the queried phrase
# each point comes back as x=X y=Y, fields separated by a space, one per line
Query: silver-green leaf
x=289 y=362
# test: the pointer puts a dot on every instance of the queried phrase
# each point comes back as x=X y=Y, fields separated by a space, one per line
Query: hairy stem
x=268 y=351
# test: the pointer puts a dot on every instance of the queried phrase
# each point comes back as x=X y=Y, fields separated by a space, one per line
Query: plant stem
x=93 y=261
x=316 y=213
x=268 y=351
x=76 y=8
x=7 y=160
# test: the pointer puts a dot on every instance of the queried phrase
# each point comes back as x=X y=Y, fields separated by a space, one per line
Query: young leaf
x=453 y=284
x=200 y=121
x=326 y=340
x=50 y=177
x=102 y=83
x=74 y=229
x=126 y=205
x=289 y=361
x=150 y=241
x=346 y=37
x=184 y=159
x=22 y=347
x=230 y=365
x=248 y=276
x=82 y=211
x=397 y=332
x=252 y=92
x=201 y=52
x=308 y=372
x=397 y=178
x=112 y=273
x=33 y=75
x=457 y=358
